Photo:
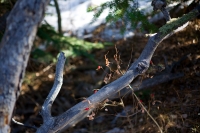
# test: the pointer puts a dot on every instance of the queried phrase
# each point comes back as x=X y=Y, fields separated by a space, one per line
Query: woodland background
x=174 y=104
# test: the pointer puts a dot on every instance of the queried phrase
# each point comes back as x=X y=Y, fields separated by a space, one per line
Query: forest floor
x=175 y=104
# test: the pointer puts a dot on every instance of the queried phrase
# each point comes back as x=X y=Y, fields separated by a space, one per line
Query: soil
x=175 y=105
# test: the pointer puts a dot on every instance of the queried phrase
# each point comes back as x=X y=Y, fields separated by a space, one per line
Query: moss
x=174 y=23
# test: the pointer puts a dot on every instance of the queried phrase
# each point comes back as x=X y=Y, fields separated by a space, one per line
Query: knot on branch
x=158 y=4
x=142 y=66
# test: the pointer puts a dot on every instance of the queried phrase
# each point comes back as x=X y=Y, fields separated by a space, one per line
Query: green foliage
x=55 y=42
x=125 y=10
x=43 y=56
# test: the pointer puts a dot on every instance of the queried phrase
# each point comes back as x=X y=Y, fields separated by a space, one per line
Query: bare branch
x=46 y=108
x=138 y=85
x=82 y=109
x=158 y=4
x=161 y=5
x=166 y=14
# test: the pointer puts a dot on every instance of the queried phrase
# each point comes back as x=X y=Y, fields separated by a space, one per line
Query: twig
x=44 y=70
x=147 y=112
x=130 y=59
x=21 y=124
x=128 y=118
x=142 y=108
x=158 y=79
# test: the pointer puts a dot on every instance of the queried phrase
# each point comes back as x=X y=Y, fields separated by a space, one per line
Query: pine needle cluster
x=125 y=11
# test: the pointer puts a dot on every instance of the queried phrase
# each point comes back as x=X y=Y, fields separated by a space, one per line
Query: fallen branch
x=139 y=85
x=46 y=108
x=82 y=109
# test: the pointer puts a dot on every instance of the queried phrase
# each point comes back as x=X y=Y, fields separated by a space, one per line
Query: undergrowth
x=125 y=11
x=49 y=43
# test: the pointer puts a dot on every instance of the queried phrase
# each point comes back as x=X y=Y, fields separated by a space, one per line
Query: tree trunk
x=15 y=49
x=59 y=17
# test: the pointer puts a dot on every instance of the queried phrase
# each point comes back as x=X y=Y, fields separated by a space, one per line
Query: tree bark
x=15 y=48
x=81 y=110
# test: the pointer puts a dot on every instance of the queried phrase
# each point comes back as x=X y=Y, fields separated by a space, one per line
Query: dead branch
x=82 y=109
x=139 y=85
x=46 y=108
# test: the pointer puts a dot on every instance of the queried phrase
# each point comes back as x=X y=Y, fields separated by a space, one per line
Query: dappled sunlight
x=164 y=96
x=174 y=105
